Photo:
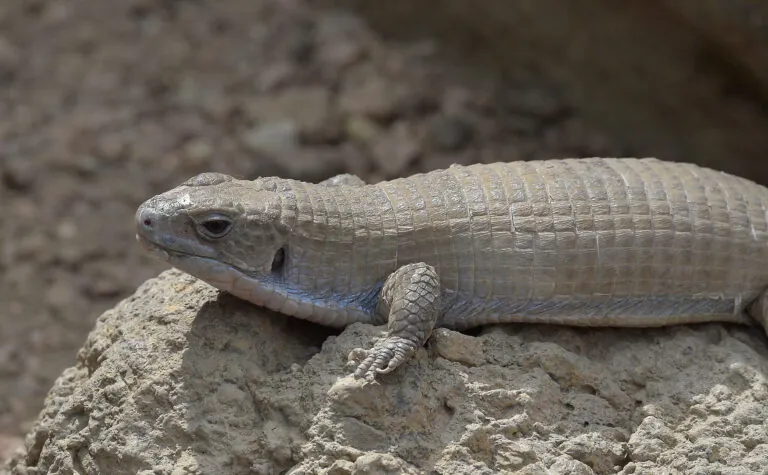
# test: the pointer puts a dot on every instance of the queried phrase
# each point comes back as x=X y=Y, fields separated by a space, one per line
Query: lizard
x=622 y=242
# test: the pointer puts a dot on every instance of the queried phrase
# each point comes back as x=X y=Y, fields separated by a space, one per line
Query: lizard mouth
x=178 y=257
x=153 y=248
x=169 y=255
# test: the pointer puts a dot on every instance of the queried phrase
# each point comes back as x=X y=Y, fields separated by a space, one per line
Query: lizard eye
x=216 y=227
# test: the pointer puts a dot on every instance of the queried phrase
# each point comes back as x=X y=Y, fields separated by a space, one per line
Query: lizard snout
x=146 y=220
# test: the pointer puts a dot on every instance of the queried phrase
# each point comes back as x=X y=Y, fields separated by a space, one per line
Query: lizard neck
x=274 y=292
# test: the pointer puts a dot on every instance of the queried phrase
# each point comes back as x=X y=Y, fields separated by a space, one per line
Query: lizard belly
x=639 y=311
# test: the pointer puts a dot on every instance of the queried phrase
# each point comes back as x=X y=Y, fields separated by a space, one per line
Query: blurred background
x=104 y=103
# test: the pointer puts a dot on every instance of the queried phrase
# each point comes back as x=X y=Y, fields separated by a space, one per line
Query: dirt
x=104 y=103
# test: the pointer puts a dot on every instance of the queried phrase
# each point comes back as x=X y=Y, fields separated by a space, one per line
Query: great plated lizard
x=588 y=242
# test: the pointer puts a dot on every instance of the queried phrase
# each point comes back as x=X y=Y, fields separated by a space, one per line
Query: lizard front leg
x=411 y=297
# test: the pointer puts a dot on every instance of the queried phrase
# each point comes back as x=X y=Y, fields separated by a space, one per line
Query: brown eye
x=216 y=227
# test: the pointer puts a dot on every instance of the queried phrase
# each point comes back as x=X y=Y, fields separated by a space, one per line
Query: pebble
x=313 y=164
x=341 y=38
x=111 y=146
x=450 y=133
x=307 y=107
x=32 y=246
x=9 y=444
x=455 y=346
x=86 y=165
x=60 y=295
x=396 y=149
x=198 y=151
x=9 y=55
x=535 y=102
x=18 y=173
x=361 y=129
x=276 y=75
x=108 y=283
x=375 y=98
x=66 y=230
x=273 y=138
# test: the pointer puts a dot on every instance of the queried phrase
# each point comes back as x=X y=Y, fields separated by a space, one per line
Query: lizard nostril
x=147 y=222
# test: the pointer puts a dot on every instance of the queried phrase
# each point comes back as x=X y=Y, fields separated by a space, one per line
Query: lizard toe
x=386 y=356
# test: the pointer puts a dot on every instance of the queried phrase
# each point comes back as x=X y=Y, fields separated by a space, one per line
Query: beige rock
x=184 y=380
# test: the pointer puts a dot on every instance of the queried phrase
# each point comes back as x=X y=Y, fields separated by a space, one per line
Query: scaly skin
x=589 y=242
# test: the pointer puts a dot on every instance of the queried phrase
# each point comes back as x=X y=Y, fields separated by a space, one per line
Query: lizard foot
x=385 y=356
x=411 y=297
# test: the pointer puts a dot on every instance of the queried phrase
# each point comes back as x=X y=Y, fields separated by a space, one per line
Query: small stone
x=66 y=230
x=340 y=54
x=455 y=346
x=535 y=102
x=308 y=107
x=313 y=164
x=24 y=208
x=198 y=150
x=212 y=100
x=32 y=246
x=565 y=464
x=450 y=133
x=375 y=98
x=341 y=38
x=276 y=75
x=341 y=467
x=111 y=147
x=86 y=165
x=9 y=56
x=60 y=295
x=108 y=283
x=18 y=173
x=8 y=445
x=597 y=451
x=523 y=125
x=396 y=149
x=362 y=129
x=275 y=138
x=55 y=13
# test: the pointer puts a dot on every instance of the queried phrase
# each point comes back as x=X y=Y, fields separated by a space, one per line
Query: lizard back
x=562 y=241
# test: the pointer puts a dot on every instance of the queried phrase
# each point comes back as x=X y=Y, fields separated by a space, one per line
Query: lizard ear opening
x=278 y=260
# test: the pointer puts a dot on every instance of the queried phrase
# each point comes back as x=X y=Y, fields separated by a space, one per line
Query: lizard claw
x=385 y=356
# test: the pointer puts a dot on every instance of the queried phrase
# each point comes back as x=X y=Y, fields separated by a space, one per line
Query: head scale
x=213 y=216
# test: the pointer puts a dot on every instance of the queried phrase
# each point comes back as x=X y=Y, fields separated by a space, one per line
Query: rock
x=307 y=107
x=8 y=445
x=340 y=38
x=273 y=138
x=60 y=295
x=198 y=151
x=450 y=133
x=571 y=467
x=539 y=103
x=596 y=451
x=395 y=149
x=9 y=58
x=455 y=346
x=185 y=379
x=381 y=99
x=18 y=173
x=275 y=75
x=361 y=129
x=313 y=164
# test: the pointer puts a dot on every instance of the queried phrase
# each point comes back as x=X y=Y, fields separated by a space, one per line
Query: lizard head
x=213 y=224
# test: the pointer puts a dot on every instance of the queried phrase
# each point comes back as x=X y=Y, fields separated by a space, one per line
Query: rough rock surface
x=182 y=379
